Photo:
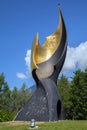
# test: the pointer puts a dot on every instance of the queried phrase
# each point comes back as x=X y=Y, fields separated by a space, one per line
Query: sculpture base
x=36 y=108
x=44 y=105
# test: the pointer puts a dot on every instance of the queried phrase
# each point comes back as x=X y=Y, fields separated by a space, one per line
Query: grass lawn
x=60 y=125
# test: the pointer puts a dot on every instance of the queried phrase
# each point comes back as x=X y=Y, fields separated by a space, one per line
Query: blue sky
x=19 y=22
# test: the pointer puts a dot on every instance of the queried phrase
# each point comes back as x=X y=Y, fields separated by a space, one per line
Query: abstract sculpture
x=46 y=63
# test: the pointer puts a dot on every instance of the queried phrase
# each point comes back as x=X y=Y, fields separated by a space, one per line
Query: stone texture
x=36 y=108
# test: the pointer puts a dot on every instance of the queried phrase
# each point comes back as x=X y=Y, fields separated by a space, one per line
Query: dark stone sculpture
x=46 y=61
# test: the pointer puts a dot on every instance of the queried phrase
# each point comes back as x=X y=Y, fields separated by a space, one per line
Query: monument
x=46 y=63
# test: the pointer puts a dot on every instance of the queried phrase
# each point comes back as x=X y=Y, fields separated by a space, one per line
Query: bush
x=6 y=116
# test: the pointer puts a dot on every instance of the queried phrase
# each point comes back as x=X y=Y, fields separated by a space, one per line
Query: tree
x=24 y=93
x=11 y=101
x=79 y=95
x=3 y=83
x=5 y=100
x=14 y=100
x=4 y=92
x=19 y=98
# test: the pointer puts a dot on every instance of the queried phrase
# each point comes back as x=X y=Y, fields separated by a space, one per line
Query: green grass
x=60 y=125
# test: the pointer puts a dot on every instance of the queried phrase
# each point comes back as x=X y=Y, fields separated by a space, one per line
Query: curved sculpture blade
x=33 y=53
x=43 y=53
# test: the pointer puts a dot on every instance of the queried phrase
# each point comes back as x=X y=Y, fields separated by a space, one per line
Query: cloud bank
x=27 y=74
x=76 y=57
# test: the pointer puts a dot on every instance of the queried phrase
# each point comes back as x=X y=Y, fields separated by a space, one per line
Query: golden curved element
x=42 y=53
x=33 y=52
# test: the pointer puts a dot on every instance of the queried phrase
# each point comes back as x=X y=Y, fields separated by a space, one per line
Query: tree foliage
x=74 y=95
x=11 y=101
x=79 y=95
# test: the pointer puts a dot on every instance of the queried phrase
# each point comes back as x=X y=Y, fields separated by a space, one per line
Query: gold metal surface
x=33 y=52
x=42 y=53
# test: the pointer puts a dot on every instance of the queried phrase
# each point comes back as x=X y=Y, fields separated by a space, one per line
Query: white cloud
x=21 y=76
x=28 y=64
x=76 y=57
x=28 y=60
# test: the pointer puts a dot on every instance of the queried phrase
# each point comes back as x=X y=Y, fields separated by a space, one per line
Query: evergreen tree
x=79 y=95
x=14 y=100
x=5 y=100
x=24 y=93
x=11 y=101
x=19 y=97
